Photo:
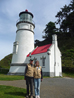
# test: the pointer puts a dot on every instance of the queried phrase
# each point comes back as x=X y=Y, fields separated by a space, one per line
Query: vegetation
x=4 y=71
x=66 y=46
x=5 y=62
x=65 y=19
x=12 y=92
x=68 y=74
x=10 y=78
x=65 y=32
x=49 y=30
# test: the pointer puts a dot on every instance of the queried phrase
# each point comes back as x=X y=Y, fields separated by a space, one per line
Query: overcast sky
x=43 y=11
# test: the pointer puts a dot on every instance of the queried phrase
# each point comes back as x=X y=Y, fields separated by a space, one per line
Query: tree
x=62 y=14
x=49 y=30
x=66 y=19
x=36 y=41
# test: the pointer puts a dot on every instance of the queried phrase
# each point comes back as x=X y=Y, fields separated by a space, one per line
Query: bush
x=3 y=71
x=68 y=69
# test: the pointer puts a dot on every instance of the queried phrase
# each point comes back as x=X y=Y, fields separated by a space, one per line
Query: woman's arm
x=41 y=75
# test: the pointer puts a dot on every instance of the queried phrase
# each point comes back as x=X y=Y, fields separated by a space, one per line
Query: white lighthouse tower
x=24 y=42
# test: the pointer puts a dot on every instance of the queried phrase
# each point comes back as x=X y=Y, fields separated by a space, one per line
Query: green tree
x=49 y=30
x=67 y=24
x=62 y=14
x=65 y=19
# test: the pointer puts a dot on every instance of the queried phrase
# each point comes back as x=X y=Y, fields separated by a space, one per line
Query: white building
x=49 y=55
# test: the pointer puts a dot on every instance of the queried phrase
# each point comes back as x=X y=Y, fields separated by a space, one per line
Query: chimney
x=54 y=39
x=54 y=42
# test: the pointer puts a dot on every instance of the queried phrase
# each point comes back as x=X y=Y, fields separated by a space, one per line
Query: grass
x=10 y=78
x=4 y=77
x=68 y=74
x=46 y=77
x=12 y=92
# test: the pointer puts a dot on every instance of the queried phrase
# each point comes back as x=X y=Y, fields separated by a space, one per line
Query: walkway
x=50 y=87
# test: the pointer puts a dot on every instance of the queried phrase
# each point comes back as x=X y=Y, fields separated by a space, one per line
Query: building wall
x=57 y=63
x=24 y=43
x=57 y=57
x=38 y=57
x=51 y=61
x=52 y=68
x=17 y=70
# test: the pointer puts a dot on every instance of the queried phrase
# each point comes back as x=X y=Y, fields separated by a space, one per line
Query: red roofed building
x=49 y=57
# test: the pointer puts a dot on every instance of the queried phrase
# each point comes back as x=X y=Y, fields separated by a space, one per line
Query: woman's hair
x=38 y=63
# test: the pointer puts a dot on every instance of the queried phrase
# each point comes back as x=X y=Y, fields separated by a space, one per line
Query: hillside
x=5 y=62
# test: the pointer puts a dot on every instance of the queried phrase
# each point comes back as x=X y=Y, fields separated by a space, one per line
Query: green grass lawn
x=10 y=77
x=4 y=77
x=12 y=92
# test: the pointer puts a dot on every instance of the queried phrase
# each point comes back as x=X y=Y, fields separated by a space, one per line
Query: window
x=15 y=47
x=43 y=60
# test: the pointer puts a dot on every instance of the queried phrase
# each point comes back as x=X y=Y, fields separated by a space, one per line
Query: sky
x=44 y=11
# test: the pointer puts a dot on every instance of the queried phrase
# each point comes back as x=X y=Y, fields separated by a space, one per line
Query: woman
x=37 y=79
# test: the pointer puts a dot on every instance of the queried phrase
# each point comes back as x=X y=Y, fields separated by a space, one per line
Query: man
x=29 y=77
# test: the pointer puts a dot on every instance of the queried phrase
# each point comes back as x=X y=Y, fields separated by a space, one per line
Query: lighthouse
x=24 y=42
x=49 y=56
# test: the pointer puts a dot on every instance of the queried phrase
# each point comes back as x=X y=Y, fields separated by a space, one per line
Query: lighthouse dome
x=26 y=16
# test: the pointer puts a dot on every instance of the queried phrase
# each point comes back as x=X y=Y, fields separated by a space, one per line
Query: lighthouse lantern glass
x=25 y=17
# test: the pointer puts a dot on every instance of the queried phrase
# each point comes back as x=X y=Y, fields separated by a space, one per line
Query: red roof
x=41 y=49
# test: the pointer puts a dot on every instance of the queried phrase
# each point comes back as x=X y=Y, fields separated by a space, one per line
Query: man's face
x=31 y=62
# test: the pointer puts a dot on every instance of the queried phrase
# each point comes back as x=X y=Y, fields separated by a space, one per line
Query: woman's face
x=37 y=63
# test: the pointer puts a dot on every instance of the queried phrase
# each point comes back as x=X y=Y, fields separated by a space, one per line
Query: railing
x=25 y=20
